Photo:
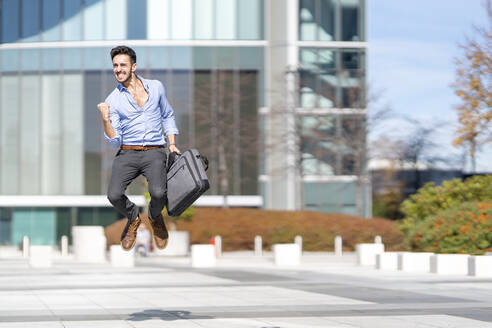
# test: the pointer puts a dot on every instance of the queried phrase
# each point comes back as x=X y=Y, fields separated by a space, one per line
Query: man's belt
x=129 y=147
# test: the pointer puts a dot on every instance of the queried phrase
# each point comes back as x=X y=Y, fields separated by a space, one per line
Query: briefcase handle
x=174 y=155
x=171 y=159
x=204 y=160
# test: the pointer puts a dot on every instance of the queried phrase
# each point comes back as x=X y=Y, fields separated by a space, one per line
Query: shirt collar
x=145 y=83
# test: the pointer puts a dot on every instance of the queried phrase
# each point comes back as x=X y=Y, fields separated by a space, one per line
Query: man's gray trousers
x=127 y=166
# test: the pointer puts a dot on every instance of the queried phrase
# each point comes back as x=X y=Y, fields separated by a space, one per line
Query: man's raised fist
x=104 y=109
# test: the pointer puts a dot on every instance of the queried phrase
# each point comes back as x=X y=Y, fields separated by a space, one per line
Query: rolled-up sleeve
x=167 y=113
x=114 y=119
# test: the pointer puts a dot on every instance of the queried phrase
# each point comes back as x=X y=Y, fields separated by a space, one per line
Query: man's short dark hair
x=124 y=50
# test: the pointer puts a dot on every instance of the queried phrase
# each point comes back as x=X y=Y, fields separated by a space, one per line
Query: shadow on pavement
x=165 y=315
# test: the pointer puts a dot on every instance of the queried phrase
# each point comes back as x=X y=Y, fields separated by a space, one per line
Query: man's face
x=123 y=68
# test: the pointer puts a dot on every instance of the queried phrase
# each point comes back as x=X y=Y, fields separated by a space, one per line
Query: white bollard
x=366 y=253
x=40 y=256
x=89 y=244
x=480 y=266
x=449 y=264
x=218 y=246
x=287 y=254
x=414 y=262
x=203 y=256
x=338 y=245
x=387 y=261
x=178 y=244
x=378 y=240
x=25 y=246
x=298 y=242
x=64 y=246
x=121 y=258
x=258 y=246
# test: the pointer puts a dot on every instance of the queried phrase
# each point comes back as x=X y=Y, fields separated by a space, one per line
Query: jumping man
x=133 y=116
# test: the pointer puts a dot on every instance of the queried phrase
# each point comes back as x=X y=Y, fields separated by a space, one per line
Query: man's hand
x=104 y=109
x=174 y=148
x=108 y=128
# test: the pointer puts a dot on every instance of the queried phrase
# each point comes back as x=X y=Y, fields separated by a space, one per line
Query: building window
x=318 y=78
x=317 y=20
x=30 y=147
x=9 y=134
x=30 y=60
x=51 y=59
x=5 y=226
x=137 y=20
x=10 y=61
x=226 y=128
x=225 y=19
x=72 y=126
x=51 y=134
x=10 y=20
x=330 y=78
x=331 y=20
x=353 y=136
x=158 y=19
x=250 y=17
x=352 y=79
x=93 y=20
x=72 y=20
x=350 y=20
x=332 y=144
x=340 y=199
x=51 y=20
x=180 y=19
x=307 y=20
x=203 y=19
x=318 y=140
x=115 y=19
x=30 y=20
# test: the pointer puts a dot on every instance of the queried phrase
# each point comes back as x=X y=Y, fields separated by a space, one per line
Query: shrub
x=239 y=226
x=387 y=205
x=465 y=228
x=430 y=199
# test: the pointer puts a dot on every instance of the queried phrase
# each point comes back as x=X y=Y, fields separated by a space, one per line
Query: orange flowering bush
x=430 y=200
x=239 y=226
x=465 y=228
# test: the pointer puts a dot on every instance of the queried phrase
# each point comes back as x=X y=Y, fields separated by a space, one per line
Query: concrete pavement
x=242 y=291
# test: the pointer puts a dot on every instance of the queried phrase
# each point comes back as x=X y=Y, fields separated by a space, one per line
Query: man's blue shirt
x=138 y=126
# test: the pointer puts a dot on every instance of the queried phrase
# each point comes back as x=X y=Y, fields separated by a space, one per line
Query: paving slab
x=243 y=290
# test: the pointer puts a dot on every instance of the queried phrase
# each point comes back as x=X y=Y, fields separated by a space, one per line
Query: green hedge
x=430 y=199
x=465 y=228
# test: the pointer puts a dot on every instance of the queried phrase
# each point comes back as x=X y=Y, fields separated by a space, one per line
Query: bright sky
x=412 y=46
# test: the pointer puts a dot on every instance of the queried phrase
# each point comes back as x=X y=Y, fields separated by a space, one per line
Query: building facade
x=265 y=88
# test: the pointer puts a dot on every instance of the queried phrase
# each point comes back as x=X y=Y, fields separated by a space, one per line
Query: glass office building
x=223 y=64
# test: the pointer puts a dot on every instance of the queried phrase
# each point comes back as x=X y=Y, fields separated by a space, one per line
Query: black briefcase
x=186 y=180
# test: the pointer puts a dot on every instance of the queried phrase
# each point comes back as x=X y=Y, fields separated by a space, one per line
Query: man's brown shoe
x=160 y=232
x=129 y=235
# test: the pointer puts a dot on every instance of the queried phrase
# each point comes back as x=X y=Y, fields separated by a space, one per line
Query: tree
x=404 y=158
x=355 y=130
x=474 y=86
x=419 y=147
x=387 y=187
